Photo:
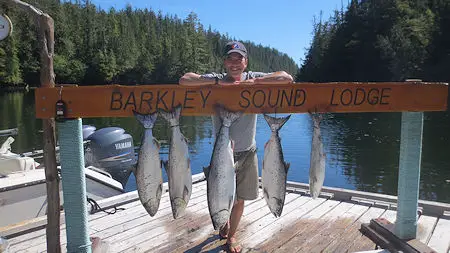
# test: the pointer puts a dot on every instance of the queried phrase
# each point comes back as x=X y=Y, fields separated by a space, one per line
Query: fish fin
x=276 y=124
x=266 y=195
x=286 y=166
x=147 y=120
x=157 y=143
x=236 y=166
x=230 y=203
x=206 y=171
x=186 y=194
x=172 y=116
x=189 y=164
x=177 y=111
x=166 y=165
x=227 y=115
x=159 y=192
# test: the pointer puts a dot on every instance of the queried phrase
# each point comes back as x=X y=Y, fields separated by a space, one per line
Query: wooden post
x=409 y=174
x=70 y=135
x=47 y=78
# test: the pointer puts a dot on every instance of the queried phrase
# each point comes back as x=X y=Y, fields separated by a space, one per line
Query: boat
x=110 y=149
x=23 y=193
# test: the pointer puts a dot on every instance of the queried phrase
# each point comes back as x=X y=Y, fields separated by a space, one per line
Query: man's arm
x=276 y=77
x=196 y=79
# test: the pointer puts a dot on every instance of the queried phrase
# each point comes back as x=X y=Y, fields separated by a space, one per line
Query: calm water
x=362 y=149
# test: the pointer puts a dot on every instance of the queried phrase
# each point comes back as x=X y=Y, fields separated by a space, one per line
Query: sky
x=285 y=25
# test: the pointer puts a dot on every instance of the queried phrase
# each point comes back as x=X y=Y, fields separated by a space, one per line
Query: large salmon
x=148 y=171
x=221 y=175
x=318 y=159
x=274 y=168
x=178 y=167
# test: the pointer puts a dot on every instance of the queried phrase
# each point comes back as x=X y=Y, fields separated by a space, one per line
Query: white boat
x=23 y=188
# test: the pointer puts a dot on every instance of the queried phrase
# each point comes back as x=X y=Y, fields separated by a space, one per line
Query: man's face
x=235 y=64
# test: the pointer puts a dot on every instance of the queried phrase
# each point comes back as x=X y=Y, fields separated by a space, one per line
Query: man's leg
x=246 y=189
x=235 y=218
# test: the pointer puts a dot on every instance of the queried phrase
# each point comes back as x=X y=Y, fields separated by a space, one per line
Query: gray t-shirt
x=243 y=130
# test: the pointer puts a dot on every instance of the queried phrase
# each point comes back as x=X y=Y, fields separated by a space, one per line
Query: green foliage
x=11 y=73
x=127 y=46
x=373 y=40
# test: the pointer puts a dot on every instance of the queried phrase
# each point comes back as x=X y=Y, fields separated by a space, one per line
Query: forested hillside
x=381 y=40
x=127 y=46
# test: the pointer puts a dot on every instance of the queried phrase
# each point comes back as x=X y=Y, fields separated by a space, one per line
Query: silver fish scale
x=149 y=174
x=274 y=170
x=179 y=172
x=274 y=174
x=318 y=161
x=221 y=179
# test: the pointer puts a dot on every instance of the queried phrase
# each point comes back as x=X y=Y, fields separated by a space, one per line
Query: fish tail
x=147 y=120
x=316 y=118
x=276 y=124
x=226 y=115
x=171 y=115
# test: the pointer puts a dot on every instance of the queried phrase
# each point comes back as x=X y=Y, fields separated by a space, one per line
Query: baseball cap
x=235 y=46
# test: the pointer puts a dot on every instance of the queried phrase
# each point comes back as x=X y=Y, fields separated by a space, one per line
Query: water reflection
x=362 y=149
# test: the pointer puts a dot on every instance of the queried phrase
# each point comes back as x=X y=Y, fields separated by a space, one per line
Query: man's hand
x=195 y=79
x=280 y=77
x=248 y=81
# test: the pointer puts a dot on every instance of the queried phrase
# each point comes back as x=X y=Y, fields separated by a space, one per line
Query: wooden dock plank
x=194 y=242
x=282 y=228
x=332 y=230
x=173 y=226
x=309 y=227
x=425 y=227
x=352 y=235
x=32 y=240
x=176 y=232
x=142 y=214
x=139 y=211
x=162 y=232
x=91 y=217
x=134 y=210
x=440 y=239
x=129 y=229
x=306 y=225
x=366 y=243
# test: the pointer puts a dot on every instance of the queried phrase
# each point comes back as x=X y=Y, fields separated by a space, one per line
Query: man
x=242 y=132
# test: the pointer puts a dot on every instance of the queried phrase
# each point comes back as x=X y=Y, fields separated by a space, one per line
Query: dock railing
x=412 y=98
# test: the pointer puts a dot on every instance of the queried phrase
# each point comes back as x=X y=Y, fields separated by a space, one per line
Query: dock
x=325 y=224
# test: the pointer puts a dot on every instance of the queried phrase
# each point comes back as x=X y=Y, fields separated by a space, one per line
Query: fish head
x=275 y=205
x=178 y=207
x=220 y=219
x=151 y=206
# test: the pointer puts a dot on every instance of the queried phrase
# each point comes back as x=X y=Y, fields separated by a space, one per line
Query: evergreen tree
x=126 y=46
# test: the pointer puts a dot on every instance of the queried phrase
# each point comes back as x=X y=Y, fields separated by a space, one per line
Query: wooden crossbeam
x=120 y=101
x=381 y=232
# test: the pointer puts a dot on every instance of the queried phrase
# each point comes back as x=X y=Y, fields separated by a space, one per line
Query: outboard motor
x=112 y=150
x=87 y=131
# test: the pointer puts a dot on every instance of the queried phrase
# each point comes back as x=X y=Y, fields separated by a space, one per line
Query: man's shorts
x=246 y=174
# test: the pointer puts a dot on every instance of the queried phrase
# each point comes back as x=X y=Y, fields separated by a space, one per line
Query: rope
x=95 y=207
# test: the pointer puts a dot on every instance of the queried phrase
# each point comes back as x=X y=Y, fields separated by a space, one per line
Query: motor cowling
x=112 y=150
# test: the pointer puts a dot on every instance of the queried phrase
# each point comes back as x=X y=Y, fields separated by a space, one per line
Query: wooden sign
x=120 y=101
